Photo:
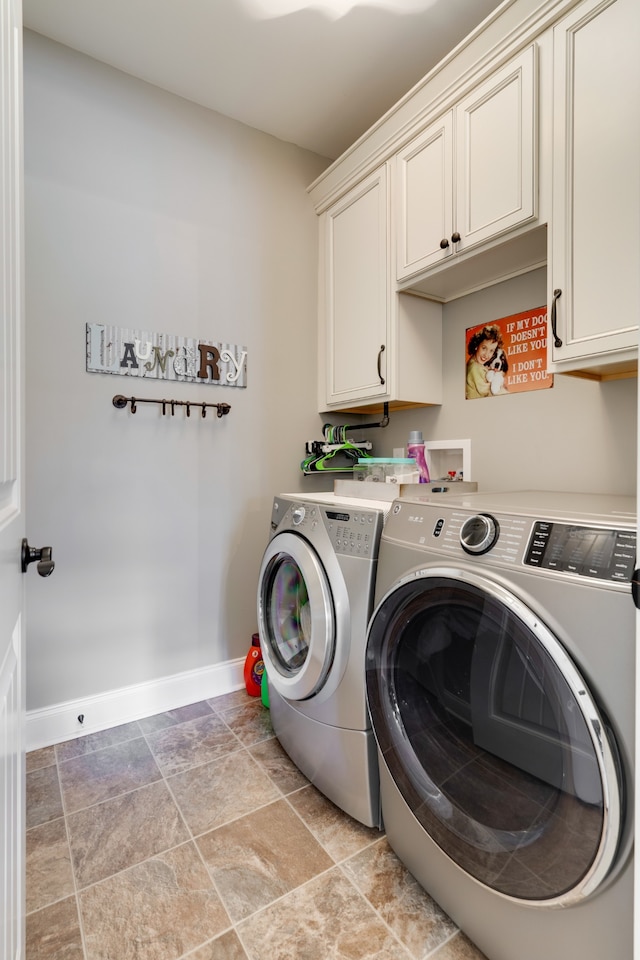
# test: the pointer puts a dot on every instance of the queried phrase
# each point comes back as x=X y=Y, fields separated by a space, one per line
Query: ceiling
x=317 y=75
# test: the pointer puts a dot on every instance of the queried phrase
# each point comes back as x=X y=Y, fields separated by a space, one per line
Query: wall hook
x=120 y=402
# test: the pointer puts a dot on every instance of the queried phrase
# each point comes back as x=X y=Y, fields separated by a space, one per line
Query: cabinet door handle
x=380 y=352
x=557 y=293
x=455 y=237
x=444 y=243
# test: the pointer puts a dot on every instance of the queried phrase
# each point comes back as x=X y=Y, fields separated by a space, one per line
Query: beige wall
x=146 y=211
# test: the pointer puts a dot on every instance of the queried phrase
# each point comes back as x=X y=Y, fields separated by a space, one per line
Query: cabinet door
x=424 y=199
x=496 y=145
x=595 y=239
x=356 y=294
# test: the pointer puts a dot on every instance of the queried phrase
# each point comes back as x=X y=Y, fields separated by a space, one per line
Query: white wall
x=146 y=211
x=580 y=435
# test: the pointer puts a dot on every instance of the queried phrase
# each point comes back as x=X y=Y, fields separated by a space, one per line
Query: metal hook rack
x=338 y=434
x=222 y=409
x=336 y=440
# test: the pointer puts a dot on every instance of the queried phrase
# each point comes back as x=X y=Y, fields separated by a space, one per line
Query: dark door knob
x=455 y=237
x=42 y=555
x=444 y=243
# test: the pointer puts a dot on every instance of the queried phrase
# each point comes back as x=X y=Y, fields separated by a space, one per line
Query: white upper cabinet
x=356 y=292
x=375 y=345
x=496 y=163
x=424 y=208
x=519 y=150
x=471 y=176
x=595 y=227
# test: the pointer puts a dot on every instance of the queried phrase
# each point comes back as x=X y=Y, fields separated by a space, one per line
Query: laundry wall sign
x=508 y=355
x=162 y=356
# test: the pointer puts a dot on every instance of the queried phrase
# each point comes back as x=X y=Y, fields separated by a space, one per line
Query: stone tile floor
x=191 y=835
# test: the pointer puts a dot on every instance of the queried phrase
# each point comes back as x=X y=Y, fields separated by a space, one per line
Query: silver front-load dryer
x=500 y=679
x=315 y=596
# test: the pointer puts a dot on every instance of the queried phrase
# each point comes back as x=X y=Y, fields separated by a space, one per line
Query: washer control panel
x=352 y=531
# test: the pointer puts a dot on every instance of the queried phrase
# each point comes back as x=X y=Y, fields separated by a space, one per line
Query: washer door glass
x=492 y=737
x=296 y=617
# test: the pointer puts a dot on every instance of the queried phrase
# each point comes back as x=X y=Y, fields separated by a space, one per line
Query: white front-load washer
x=500 y=679
x=315 y=596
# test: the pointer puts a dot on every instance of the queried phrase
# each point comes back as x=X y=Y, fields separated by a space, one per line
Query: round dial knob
x=297 y=515
x=479 y=533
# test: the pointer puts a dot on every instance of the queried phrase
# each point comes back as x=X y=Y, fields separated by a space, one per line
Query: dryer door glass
x=492 y=737
x=296 y=618
x=289 y=616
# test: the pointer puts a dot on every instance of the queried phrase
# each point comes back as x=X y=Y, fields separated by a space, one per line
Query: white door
x=12 y=826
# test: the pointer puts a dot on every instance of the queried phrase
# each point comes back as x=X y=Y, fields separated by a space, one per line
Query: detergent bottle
x=415 y=449
x=254 y=667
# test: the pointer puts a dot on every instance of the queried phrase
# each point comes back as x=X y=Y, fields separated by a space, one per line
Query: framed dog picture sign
x=507 y=355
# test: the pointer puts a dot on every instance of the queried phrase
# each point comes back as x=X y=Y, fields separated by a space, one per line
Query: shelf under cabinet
x=467 y=272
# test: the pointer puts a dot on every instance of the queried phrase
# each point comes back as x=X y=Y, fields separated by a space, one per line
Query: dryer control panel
x=504 y=536
x=586 y=551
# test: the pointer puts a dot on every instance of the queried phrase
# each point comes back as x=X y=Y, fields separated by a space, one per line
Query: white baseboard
x=60 y=722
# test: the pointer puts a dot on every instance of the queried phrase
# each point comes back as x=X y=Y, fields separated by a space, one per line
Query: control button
x=479 y=533
x=297 y=515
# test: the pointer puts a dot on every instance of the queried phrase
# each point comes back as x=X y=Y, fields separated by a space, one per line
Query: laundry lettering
x=129 y=358
x=135 y=353
x=236 y=362
x=159 y=359
x=209 y=358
